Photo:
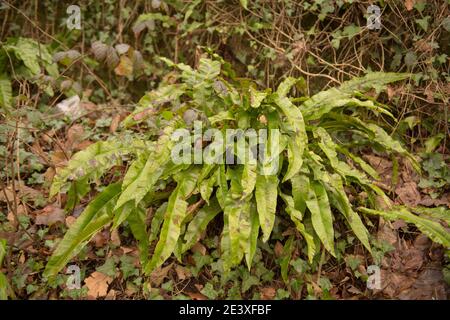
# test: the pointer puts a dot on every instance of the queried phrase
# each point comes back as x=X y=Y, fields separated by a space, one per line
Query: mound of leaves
x=314 y=153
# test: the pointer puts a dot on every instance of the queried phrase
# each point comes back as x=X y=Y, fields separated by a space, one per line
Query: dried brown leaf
x=125 y=67
x=114 y=123
x=97 y=284
x=408 y=193
x=157 y=277
x=182 y=272
x=50 y=215
x=268 y=293
x=409 y=4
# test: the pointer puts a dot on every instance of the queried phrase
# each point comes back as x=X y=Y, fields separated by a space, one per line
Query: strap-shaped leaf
x=251 y=242
x=340 y=100
x=5 y=93
x=286 y=258
x=248 y=179
x=225 y=245
x=93 y=162
x=222 y=195
x=325 y=101
x=300 y=187
x=156 y=223
x=132 y=174
x=391 y=145
x=329 y=148
x=2 y=250
x=94 y=217
x=321 y=216
x=374 y=134
x=364 y=165
x=173 y=218
x=237 y=210
x=266 y=202
x=285 y=86
x=222 y=191
x=299 y=140
x=309 y=235
x=438 y=213
x=295 y=160
x=3 y=280
x=290 y=206
x=206 y=186
x=136 y=220
x=246 y=223
x=340 y=201
x=434 y=230
x=135 y=169
x=140 y=183
x=199 y=224
x=372 y=80
x=3 y=287
x=170 y=231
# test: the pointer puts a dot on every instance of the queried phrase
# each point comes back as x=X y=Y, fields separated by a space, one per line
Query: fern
x=5 y=288
x=432 y=229
x=302 y=176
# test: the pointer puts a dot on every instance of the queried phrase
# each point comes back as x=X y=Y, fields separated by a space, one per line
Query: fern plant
x=308 y=187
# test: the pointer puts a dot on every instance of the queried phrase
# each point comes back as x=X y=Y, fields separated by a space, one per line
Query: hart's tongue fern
x=308 y=186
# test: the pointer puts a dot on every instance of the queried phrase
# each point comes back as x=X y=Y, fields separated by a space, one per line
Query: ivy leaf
x=410 y=59
x=433 y=142
x=244 y=3
x=423 y=23
x=351 y=30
